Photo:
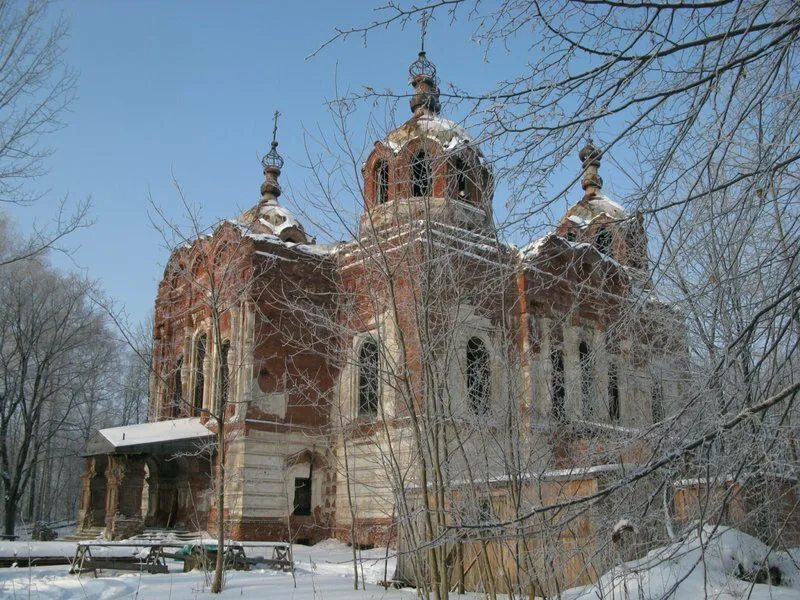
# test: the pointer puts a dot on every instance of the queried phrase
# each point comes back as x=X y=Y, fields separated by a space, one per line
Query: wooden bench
x=193 y=556
x=281 y=559
x=84 y=562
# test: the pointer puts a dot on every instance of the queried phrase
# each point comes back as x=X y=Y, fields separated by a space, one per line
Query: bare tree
x=36 y=88
x=51 y=345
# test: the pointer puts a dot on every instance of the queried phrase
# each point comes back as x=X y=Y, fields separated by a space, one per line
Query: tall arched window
x=603 y=240
x=460 y=178
x=368 y=379
x=224 y=371
x=585 y=360
x=613 y=392
x=557 y=364
x=420 y=175
x=657 y=402
x=381 y=182
x=177 y=387
x=478 y=376
x=199 y=373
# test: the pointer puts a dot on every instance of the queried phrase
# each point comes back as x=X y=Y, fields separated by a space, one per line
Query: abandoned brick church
x=324 y=359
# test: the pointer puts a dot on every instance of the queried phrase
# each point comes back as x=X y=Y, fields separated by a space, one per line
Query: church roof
x=149 y=437
x=589 y=208
x=448 y=134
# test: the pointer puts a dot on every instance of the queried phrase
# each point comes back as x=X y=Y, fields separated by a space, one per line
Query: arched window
x=460 y=178
x=603 y=240
x=381 y=182
x=224 y=371
x=585 y=360
x=613 y=392
x=478 y=376
x=420 y=175
x=199 y=374
x=657 y=402
x=368 y=379
x=177 y=387
x=557 y=391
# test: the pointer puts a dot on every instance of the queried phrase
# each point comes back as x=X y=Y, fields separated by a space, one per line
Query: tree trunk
x=9 y=517
x=216 y=585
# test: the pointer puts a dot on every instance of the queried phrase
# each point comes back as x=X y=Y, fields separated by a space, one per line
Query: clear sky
x=189 y=89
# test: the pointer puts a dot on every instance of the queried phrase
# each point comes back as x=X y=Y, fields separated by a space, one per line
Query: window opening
x=302 y=496
x=199 y=376
x=381 y=182
x=557 y=363
x=420 y=175
x=368 y=379
x=613 y=393
x=478 y=376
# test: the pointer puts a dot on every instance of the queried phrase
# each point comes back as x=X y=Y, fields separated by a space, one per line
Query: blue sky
x=189 y=89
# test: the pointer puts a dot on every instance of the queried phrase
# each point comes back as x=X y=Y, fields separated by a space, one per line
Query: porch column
x=92 y=500
x=125 y=478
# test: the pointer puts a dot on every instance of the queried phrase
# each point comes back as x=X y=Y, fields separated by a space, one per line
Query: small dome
x=272 y=219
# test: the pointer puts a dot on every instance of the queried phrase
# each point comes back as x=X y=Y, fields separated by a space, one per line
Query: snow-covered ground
x=686 y=570
x=703 y=565
x=323 y=571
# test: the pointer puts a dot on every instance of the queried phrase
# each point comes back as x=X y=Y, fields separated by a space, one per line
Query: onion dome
x=590 y=155
x=270 y=218
x=422 y=73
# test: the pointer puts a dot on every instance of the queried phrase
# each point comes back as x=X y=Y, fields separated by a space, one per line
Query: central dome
x=427 y=168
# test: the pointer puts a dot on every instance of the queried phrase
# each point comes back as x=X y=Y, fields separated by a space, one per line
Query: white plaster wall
x=267 y=485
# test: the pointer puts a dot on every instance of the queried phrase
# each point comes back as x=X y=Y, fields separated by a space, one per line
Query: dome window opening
x=420 y=175
x=462 y=185
x=478 y=376
x=381 y=182
x=603 y=241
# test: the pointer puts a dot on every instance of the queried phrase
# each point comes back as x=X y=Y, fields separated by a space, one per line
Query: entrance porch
x=154 y=475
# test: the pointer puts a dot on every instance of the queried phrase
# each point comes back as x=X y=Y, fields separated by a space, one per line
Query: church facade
x=348 y=374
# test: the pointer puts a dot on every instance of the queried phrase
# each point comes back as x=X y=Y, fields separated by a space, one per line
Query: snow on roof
x=447 y=133
x=535 y=246
x=112 y=439
x=319 y=249
x=608 y=206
